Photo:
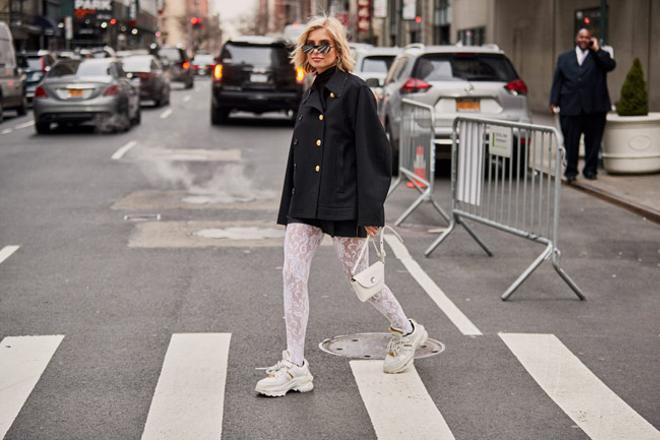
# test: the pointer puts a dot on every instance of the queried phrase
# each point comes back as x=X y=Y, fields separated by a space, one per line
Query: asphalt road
x=118 y=325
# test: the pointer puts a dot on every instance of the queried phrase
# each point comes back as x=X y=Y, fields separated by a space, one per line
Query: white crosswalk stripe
x=23 y=359
x=416 y=415
x=594 y=407
x=189 y=398
x=7 y=251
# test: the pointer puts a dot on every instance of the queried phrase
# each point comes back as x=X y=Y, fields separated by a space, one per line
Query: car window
x=471 y=67
x=377 y=63
x=33 y=63
x=394 y=70
x=133 y=63
x=255 y=55
x=91 y=67
x=203 y=59
x=172 y=54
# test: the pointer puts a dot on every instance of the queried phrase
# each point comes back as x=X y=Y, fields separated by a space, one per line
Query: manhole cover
x=373 y=346
x=240 y=233
x=142 y=217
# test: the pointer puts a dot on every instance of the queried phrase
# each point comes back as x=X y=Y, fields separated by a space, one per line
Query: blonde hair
x=337 y=31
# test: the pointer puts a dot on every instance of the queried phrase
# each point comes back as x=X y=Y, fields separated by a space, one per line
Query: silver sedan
x=91 y=90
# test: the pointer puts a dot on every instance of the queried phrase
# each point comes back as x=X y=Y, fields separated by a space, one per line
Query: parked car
x=176 y=60
x=12 y=78
x=372 y=65
x=92 y=90
x=154 y=81
x=253 y=73
x=35 y=65
x=202 y=64
x=455 y=80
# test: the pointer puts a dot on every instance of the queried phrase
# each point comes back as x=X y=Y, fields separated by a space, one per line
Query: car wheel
x=219 y=115
x=22 y=109
x=42 y=127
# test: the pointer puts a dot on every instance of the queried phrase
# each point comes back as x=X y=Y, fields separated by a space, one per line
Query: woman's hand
x=372 y=230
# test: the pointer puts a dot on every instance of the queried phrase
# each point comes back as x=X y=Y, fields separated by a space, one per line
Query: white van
x=12 y=78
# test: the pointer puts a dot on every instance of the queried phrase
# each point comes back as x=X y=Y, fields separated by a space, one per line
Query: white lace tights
x=300 y=244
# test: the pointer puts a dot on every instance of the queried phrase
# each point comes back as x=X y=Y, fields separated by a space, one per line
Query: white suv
x=455 y=80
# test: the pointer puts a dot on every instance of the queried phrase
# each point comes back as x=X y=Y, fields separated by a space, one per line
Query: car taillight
x=414 y=85
x=112 y=90
x=300 y=75
x=185 y=65
x=145 y=75
x=195 y=67
x=217 y=72
x=516 y=87
x=40 y=92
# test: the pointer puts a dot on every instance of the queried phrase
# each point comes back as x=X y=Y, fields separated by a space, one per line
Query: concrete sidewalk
x=639 y=193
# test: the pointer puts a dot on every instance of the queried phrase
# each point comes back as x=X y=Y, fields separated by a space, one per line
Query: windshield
x=377 y=64
x=33 y=63
x=465 y=66
x=92 y=67
x=132 y=64
x=203 y=59
x=276 y=56
x=173 y=54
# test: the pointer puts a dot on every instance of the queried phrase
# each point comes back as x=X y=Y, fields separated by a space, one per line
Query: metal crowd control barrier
x=507 y=175
x=417 y=155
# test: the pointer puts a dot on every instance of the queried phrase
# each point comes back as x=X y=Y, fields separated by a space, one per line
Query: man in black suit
x=579 y=89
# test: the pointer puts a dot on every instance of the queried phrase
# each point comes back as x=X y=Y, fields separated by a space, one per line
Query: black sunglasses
x=322 y=48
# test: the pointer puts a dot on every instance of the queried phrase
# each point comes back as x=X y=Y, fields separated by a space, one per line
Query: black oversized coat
x=339 y=165
x=582 y=88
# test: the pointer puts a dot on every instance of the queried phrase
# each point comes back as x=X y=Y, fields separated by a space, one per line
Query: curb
x=643 y=210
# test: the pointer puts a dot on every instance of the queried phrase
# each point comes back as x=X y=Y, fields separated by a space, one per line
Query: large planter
x=631 y=144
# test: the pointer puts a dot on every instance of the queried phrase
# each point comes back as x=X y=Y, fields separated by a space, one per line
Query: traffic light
x=196 y=22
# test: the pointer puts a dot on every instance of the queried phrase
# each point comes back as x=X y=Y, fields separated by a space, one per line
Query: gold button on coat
x=318 y=142
x=332 y=95
x=321 y=117
x=317 y=168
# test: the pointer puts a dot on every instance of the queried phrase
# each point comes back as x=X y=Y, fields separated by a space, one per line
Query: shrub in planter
x=634 y=97
x=632 y=135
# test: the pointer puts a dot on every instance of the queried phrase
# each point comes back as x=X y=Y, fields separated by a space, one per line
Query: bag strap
x=380 y=249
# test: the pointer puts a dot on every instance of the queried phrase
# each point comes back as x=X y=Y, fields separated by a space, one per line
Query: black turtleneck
x=320 y=81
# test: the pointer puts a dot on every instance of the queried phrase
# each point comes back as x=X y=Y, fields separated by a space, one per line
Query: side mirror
x=373 y=82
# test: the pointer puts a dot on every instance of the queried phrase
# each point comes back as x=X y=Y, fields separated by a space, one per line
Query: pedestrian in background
x=337 y=177
x=579 y=90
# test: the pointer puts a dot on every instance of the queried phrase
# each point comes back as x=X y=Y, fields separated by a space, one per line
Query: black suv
x=254 y=74
x=177 y=61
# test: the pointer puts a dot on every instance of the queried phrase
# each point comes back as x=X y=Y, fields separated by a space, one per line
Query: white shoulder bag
x=372 y=279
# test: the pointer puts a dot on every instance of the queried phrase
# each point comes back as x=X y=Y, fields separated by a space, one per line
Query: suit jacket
x=582 y=89
x=339 y=165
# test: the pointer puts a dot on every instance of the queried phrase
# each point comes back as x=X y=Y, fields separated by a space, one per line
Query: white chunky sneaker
x=285 y=376
x=401 y=348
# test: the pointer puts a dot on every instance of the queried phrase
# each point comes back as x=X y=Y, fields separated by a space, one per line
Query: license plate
x=75 y=93
x=258 y=78
x=468 y=105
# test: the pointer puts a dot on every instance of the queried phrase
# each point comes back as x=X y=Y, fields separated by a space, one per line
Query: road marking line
x=120 y=153
x=596 y=409
x=189 y=398
x=6 y=131
x=461 y=321
x=166 y=113
x=382 y=392
x=186 y=98
x=6 y=252
x=24 y=125
x=23 y=359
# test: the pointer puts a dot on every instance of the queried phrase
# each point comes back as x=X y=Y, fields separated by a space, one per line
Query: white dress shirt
x=581 y=54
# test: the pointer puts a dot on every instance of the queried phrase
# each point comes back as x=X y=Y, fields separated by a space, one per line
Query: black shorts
x=334 y=228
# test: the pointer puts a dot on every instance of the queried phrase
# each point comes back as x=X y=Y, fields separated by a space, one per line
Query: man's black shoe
x=590 y=176
x=570 y=179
